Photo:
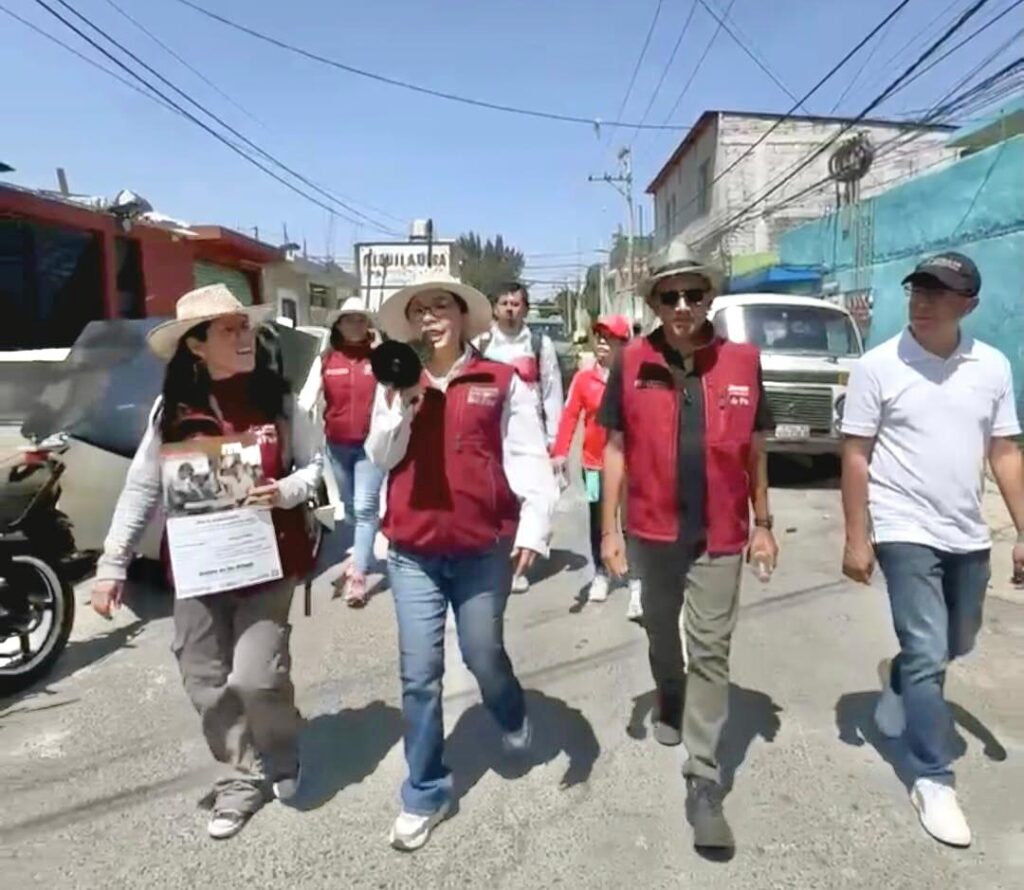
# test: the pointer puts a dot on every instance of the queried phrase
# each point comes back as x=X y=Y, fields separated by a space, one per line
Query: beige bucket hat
x=392 y=312
x=678 y=259
x=197 y=306
x=352 y=306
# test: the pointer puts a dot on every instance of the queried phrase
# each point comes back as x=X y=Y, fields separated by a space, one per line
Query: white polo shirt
x=932 y=420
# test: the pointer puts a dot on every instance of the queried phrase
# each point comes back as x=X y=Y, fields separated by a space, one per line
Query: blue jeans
x=359 y=481
x=423 y=587
x=937 y=601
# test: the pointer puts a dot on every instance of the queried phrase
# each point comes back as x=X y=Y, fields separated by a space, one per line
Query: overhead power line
x=743 y=46
x=945 y=109
x=640 y=59
x=918 y=37
x=825 y=79
x=968 y=39
x=878 y=100
x=210 y=83
x=362 y=218
x=699 y=65
x=864 y=66
x=181 y=110
x=85 y=58
x=595 y=122
x=665 y=69
x=184 y=62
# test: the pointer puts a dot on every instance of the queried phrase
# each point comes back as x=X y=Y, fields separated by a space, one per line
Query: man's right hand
x=859 y=561
x=106 y=597
x=613 y=554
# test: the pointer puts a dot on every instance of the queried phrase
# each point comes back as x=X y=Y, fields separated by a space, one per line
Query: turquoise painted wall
x=975 y=206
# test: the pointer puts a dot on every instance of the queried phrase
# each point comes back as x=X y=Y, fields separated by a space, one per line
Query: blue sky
x=412 y=155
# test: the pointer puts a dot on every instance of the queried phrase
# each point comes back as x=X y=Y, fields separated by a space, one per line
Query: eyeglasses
x=436 y=305
x=692 y=296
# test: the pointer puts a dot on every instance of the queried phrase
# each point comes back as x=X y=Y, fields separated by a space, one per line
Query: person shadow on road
x=855 y=721
x=344 y=748
x=474 y=746
x=752 y=714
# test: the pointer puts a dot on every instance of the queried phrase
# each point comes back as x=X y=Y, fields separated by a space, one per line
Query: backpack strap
x=537 y=346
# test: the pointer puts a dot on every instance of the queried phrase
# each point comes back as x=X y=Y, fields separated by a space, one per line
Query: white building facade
x=690 y=204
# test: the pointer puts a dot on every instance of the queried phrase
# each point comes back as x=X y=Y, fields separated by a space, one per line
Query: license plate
x=792 y=431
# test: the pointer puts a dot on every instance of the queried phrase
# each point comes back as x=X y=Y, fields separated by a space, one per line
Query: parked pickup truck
x=808 y=346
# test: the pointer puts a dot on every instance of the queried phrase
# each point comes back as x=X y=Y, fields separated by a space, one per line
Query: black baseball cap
x=952 y=271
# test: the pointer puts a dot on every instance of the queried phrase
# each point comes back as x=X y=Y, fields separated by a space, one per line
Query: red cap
x=616 y=326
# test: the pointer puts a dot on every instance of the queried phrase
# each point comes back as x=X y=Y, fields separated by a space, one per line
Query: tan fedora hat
x=678 y=259
x=196 y=307
x=392 y=314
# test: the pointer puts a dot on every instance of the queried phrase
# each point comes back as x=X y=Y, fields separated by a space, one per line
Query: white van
x=808 y=346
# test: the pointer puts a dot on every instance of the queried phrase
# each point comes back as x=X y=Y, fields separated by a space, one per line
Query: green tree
x=486 y=265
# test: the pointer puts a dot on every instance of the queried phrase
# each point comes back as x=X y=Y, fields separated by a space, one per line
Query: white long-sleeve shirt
x=525 y=455
x=501 y=347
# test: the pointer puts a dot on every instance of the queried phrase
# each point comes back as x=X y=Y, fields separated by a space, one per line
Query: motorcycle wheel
x=52 y=598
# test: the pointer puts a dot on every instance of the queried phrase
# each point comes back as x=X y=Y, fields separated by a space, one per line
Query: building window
x=235 y=280
x=704 y=187
x=131 y=294
x=318 y=294
x=51 y=284
x=672 y=221
x=289 y=310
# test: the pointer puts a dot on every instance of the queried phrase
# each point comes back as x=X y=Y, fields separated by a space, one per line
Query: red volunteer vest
x=729 y=377
x=449 y=494
x=349 y=386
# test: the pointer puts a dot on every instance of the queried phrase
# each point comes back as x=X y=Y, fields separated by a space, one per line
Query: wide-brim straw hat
x=196 y=307
x=392 y=313
x=679 y=260
x=352 y=306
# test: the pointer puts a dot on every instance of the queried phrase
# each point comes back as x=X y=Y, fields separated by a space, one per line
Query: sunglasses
x=692 y=296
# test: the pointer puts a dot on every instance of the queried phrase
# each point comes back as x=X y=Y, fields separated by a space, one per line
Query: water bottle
x=762 y=567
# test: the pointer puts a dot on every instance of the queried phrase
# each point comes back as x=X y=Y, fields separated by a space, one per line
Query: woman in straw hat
x=232 y=647
x=467 y=457
x=348 y=388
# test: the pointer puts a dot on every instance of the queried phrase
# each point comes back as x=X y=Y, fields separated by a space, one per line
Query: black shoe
x=704 y=813
x=668 y=719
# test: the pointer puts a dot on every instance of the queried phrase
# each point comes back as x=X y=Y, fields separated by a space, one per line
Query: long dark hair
x=338 y=339
x=187 y=383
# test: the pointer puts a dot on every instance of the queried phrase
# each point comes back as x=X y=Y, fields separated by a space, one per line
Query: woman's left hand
x=522 y=559
x=268 y=495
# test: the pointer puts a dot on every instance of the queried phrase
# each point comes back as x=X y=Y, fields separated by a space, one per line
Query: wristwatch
x=766 y=523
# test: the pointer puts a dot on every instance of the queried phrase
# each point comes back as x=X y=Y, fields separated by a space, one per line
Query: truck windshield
x=793 y=329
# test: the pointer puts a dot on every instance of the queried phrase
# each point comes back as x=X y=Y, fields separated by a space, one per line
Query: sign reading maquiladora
x=385 y=267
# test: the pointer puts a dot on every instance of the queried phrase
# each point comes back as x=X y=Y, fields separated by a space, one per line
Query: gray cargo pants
x=232 y=650
x=708 y=589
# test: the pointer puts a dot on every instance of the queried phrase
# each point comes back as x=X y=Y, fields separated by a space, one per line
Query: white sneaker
x=890 y=717
x=520 y=584
x=635 y=609
x=598 y=589
x=225 y=823
x=940 y=812
x=411 y=831
x=519 y=741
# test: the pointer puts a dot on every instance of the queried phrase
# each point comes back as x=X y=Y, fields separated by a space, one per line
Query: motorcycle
x=38 y=563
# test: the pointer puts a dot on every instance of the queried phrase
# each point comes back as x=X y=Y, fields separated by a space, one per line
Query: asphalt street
x=101 y=770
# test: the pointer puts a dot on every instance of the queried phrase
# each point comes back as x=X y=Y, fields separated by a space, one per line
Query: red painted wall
x=167 y=258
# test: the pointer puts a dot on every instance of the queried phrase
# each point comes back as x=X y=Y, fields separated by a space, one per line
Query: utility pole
x=622 y=182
